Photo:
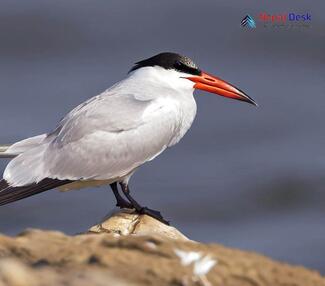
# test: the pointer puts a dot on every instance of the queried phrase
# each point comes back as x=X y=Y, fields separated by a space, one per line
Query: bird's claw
x=154 y=214
x=124 y=205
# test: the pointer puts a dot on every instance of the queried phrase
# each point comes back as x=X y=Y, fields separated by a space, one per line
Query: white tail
x=11 y=151
x=3 y=148
x=3 y=154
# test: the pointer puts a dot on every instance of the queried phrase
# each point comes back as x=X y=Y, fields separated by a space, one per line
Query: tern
x=104 y=140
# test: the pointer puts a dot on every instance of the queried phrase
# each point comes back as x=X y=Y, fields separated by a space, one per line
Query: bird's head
x=185 y=69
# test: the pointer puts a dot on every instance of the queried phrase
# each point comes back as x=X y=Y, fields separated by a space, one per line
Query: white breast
x=171 y=90
x=187 y=112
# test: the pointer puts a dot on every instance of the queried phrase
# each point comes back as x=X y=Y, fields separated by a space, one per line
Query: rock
x=127 y=222
x=14 y=272
x=128 y=249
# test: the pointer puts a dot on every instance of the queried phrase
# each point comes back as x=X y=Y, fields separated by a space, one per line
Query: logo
x=248 y=22
x=278 y=20
x=284 y=17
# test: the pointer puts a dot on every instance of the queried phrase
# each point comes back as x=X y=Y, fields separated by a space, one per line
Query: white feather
x=188 y=257
x=203 y=266
x=25 y=145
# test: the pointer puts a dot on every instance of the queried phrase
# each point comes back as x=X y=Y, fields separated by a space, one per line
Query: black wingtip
x=10 y=194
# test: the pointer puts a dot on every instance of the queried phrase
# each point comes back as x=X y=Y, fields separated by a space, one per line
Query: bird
x=105 y=139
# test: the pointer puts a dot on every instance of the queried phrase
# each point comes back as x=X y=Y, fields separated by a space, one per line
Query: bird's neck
x=153 y=82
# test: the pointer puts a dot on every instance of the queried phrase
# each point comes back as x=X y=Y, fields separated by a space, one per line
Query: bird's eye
x=178 y=64
x=186 y=69
x=181 y=66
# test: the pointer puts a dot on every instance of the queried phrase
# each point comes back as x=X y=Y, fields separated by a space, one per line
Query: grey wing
x=105 y=138
x=112 y=113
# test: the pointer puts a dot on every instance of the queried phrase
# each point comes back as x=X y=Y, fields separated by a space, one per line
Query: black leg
x=142 y=210
x=120 y=202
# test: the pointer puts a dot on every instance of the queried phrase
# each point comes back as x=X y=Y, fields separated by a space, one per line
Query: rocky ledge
x=128 y=249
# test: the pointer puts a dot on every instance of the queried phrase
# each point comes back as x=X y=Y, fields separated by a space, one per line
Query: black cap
x=170 y=61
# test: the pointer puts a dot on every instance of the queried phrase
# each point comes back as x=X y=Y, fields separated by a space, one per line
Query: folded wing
x=106 y=137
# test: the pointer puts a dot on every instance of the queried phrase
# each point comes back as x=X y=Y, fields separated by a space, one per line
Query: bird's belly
x=77 y=185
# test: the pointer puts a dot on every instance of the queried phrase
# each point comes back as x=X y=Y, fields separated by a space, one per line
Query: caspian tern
x=105 y=139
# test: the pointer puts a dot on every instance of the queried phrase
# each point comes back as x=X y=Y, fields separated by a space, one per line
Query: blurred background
x=250 y=178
